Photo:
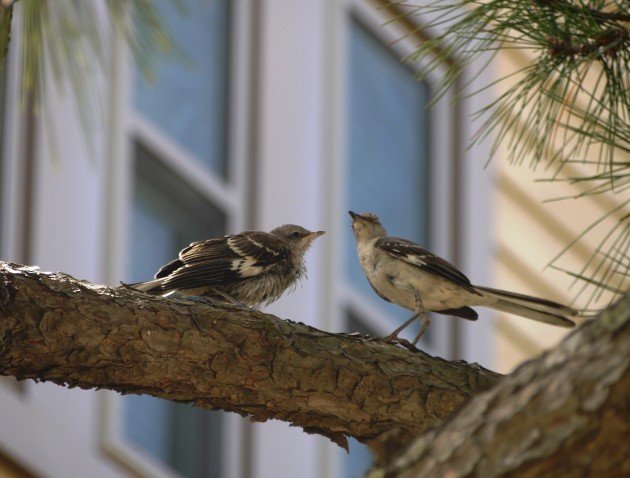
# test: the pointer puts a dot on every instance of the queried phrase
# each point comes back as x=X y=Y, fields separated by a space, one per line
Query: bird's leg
x=204 y=299
x=175 y=294
x=394 y=335
x=422 y=315
x=425 y=320
x=232 y=300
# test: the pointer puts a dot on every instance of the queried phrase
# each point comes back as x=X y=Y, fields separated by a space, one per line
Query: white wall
x=79 y=227
x=293 y=74
x=51 y=429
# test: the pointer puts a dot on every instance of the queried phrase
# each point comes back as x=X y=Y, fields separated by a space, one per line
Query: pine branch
x=66 y=38
x=562 y=414
x=569 y=39
x=58 y=329
x=600 y=15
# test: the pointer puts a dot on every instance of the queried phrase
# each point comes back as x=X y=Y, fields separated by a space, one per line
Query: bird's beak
x=353 y=215
x=316 y=234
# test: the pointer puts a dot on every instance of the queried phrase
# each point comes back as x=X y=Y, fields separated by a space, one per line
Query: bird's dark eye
x=296 y=235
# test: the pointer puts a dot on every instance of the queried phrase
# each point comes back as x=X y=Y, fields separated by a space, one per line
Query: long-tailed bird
x=404 y=273
x=252 y=268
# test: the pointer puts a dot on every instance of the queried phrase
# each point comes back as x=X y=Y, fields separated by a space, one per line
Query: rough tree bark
x=565 y=414
x=55 y=328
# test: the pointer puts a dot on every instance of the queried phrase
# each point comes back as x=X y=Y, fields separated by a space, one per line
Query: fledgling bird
x=252 y=268
x=402 y=272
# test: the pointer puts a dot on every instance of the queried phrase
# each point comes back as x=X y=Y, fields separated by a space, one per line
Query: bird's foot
x=195 y=298
x=395 y=340
x=233 y=302
x=239 y=305
x=391 y=338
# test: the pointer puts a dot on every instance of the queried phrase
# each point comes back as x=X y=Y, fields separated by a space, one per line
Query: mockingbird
x=252 y=268
x=402 y=272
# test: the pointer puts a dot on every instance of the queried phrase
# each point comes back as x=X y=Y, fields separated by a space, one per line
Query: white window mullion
x=341 y=295
x=241 y=94
x=291 y=186
x=475 y=245
x=119 y=171
x=239 y=147
x=173 y=156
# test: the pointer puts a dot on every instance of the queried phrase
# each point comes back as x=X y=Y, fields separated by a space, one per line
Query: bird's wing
x=196 y=251
x=167 y=269
x=415 y=255
x=224 y=260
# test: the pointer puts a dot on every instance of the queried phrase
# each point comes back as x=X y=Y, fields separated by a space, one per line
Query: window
x=358 y=460
x=387 y=158
x=168 y=215
x=183 y=184
x=397 y=165
x=188 y=99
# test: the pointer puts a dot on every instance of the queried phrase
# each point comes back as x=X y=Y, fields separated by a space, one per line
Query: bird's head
x=299 y=239
x=366 y=226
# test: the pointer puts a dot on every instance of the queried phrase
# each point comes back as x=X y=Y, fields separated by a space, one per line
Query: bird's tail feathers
x=530 y=307
x=147 y=286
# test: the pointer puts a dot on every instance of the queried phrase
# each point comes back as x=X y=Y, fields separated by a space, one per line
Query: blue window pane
x=387 y=148
x=358 y=460
x=147 y=223
x=146 y=424
x=167 y=215
x=186 y=438
x=187 y=101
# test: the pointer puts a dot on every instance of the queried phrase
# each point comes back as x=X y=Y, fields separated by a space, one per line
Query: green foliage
x=576 y=44
x=142 y=26
x=62 y=43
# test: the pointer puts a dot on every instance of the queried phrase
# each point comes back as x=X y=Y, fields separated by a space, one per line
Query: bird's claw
x=391 y=338
x=395 y=340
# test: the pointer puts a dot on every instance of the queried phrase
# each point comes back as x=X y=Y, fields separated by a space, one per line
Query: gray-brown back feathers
x=252 y=267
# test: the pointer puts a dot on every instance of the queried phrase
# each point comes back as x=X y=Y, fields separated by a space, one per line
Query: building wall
x=290 y=139
x=529 y=233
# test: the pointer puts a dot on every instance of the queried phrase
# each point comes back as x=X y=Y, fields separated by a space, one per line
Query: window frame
x=442 y=162
x=229 y=194
x=466 y=200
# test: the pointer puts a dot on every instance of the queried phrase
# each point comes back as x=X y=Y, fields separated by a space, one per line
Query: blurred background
x=277 y=111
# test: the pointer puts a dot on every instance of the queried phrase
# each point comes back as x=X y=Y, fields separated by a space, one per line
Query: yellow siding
x=529 y=233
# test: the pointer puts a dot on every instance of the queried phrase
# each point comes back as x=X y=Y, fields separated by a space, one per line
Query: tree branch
x=56 y=328
x=562 y=414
